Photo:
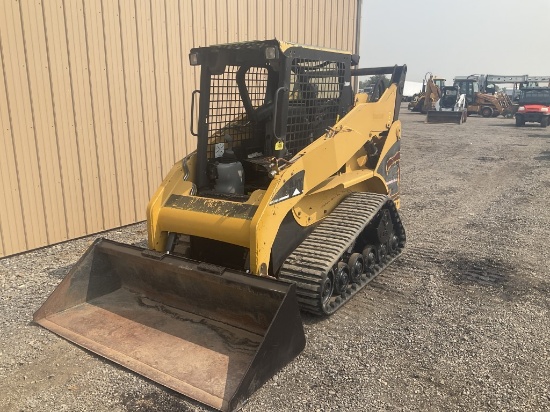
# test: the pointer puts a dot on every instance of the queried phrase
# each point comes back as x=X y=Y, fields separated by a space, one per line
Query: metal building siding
x=95 y=100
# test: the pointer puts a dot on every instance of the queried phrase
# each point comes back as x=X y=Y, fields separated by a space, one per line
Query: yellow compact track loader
x=289 y=202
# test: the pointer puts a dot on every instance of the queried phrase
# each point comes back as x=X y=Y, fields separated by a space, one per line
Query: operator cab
x=469 y=87
x=449 y=97
x=261 y=103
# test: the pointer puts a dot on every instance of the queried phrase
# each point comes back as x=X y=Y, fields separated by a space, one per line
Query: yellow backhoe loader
x=478 y=101
x=429 y=96
x=289 y=202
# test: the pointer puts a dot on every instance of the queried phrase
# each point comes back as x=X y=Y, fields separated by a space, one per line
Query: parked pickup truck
x=534 y=106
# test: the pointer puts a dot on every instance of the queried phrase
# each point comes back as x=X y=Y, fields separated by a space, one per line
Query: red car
x=534 y=106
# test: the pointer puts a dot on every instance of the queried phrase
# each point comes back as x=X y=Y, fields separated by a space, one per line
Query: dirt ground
x=459 y=322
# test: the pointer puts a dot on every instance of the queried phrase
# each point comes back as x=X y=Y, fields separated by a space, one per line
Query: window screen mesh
x=314 y=100
x=226 y=112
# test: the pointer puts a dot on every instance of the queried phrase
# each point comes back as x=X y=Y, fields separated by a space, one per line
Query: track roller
x=369 y=256
x=327 y=287
x=356 y=265
x=341 y=278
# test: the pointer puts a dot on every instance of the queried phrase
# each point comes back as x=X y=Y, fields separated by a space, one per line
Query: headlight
x=194 y=59
x=544 y=109
x=521 y=108
x=271 y=53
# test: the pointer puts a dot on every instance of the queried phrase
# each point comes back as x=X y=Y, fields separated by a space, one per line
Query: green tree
x=373 y=80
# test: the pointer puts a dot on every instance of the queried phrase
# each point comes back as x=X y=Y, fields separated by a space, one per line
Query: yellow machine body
x=299 y=154
x=335 y=166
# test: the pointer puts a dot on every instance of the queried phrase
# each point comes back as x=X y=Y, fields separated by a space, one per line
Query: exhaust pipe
x=212 y=334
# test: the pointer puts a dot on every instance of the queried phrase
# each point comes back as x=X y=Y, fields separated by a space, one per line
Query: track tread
x=321 y=250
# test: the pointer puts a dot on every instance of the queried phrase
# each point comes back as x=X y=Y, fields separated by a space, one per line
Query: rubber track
x=324 y=247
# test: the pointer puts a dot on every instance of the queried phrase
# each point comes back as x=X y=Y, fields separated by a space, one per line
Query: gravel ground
x=459 y=322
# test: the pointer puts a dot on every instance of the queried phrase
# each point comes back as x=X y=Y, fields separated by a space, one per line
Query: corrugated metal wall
x=95 y=100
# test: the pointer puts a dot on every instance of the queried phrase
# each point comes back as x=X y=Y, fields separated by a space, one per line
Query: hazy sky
x=457 y=37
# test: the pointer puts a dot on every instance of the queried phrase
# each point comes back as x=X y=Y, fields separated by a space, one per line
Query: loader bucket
x=435 y=116
x=212 y=334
